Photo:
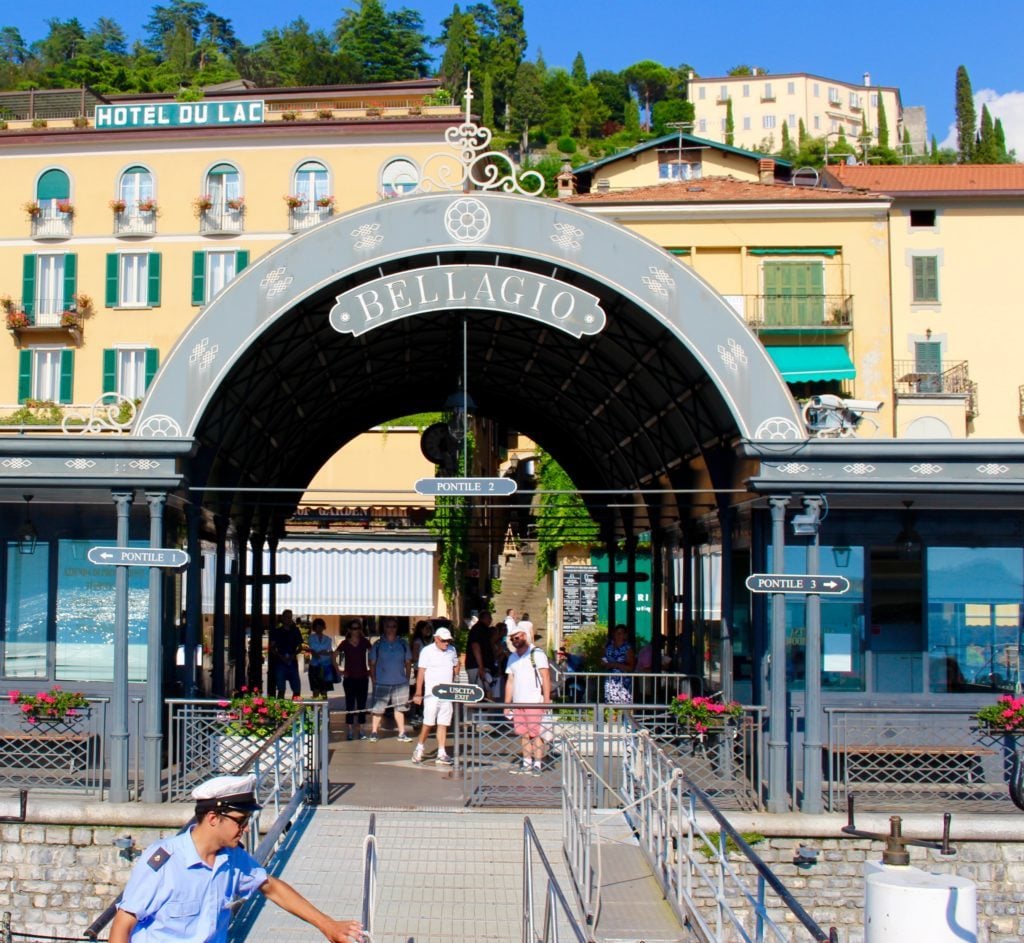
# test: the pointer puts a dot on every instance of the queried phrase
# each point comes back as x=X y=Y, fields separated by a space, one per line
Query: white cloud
x=1008 y=108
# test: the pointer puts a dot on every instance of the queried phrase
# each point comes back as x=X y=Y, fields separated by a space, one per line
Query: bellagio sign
x=480 y=287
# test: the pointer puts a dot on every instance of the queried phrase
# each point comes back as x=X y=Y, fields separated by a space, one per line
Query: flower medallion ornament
x=469 y=161
x=467 y=220
x=778 y=427
x=159 y=427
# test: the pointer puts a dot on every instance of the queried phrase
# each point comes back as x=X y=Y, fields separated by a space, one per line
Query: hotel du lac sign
x=484 y=287
x=178 y=114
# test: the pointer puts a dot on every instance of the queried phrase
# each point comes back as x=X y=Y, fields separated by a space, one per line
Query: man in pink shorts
x=528 y=681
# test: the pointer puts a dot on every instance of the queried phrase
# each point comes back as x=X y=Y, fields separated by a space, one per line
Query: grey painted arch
x=563 y=236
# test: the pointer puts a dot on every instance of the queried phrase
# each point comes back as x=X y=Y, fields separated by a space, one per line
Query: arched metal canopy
x=593 y=341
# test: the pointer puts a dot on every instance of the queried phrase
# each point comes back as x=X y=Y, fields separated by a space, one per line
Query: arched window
x=135 y=187
x=53 y=186
x=398 y=177
x=223 y=183
x=311 y=184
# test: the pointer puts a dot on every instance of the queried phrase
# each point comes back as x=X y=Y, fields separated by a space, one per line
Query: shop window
x=26 y=607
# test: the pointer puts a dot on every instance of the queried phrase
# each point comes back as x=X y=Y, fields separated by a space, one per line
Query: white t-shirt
x=527 y=676
x=438 y=665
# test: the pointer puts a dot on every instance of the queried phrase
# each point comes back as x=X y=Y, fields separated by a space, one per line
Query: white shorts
x=436 y=711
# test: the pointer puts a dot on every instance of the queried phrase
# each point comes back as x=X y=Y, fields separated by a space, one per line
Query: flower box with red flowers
x=1005 y=716
x=51 y=706
x=702 y=715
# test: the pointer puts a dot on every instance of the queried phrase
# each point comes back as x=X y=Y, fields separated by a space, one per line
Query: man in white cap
x=182 y=888
x=438 y=664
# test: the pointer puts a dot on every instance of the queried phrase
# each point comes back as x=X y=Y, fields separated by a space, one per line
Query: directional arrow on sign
x=138 y=556
x=799 y=583
x=468 y=693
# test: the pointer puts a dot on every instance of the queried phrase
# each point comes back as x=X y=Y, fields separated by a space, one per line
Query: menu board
x=579 y=597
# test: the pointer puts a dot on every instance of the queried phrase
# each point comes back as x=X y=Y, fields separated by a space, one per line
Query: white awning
x=335 y=577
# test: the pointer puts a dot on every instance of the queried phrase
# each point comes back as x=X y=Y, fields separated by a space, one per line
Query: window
x=926 y=278
x=725 y=125
x=791 y=121
x=791 y=88
x=702 y=93
x=817 y=122
x=874 y=99
x=746 y=123
x=768 y=122
x=133 y=280
x=674 y=169
x=816 y=90
x=212 y=271
x=48 y=286
x=129 y=370
x=768 y=91
x=45 y=373
x=833 y=95
x=723 y=93
x=854 y=100
x=702 y=125
x=222 y=184
x=922 y=219
x=399 y=176
x=27 y=608
x=311 y=184
x=746 y=91
x=136 y=186
x=52 y=187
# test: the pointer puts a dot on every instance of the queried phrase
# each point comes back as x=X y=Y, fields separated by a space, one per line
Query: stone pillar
x=119 y=701
x=153 y=737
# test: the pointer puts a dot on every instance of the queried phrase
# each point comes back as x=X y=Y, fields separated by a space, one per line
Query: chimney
x=766 y=170
x=754 y=71
x=566 y=181
x=867 y=80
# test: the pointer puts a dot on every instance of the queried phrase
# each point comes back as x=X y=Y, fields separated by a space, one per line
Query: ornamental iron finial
x=471 y=165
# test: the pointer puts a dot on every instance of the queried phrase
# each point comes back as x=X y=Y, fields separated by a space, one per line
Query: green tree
x=788 y=150
x=487 y=112
x=746 y=70
x=461 y=55
x=167 y=24
x=668 y=112
x=505 y=50
x=296 y=55
x=579 y=71
x=966 y=119
x=562 y=517
x=64 y=41
x=730 y=123
x=1004 y=157
x=648 y=80
x=614 y=92
x=987 y=151
x=632 y=118
x=559 y=102
x=591 y=112
x=801 y=133
x=527 y=107
x=883 y=123
x=390 y=46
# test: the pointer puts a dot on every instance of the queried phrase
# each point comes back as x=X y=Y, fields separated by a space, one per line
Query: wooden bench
x=958 y=764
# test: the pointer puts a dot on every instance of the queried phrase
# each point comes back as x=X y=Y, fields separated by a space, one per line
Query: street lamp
x=27 y=534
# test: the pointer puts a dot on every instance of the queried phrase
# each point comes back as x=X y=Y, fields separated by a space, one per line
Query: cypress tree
x=788 y=151
x=883 y=123
x=801 y=133
x=987 y=152
x=579 y=71
x=966 y=118
x=1001 y=156
x=487 y=112
x=730 y=126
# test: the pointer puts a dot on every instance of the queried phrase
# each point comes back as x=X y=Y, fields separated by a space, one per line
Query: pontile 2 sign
x=178 y=115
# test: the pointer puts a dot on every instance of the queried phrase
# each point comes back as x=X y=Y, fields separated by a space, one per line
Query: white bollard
x=902 y=904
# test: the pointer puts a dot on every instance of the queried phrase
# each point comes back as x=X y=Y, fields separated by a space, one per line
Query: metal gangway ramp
x=444 y=875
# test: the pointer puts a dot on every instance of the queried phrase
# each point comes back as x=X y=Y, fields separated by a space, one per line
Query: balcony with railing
x=46 y=316
x=50 y=223
x=135 y=221
x=949 y=379
x=793 y=313
x=307 y=215
x=219 y=220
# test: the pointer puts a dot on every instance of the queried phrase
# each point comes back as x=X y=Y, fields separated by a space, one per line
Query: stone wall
x=59 y=869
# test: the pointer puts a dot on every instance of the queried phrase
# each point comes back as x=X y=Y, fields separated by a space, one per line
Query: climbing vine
x=561 y=516
x=450 y=525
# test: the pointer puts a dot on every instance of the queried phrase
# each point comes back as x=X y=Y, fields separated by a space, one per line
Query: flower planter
x=229 y=753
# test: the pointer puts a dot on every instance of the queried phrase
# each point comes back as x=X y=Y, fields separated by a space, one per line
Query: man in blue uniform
x=183 y=888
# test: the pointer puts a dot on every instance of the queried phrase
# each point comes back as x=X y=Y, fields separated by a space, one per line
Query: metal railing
x=135 y=222
x=307 y=216
x=644 y=688
x=222 y=219
x=52 y=225
x=928 y=759
x=701 y=883
x=369 y=914
x=794 y=312
x=558 y=915
x=725 y=763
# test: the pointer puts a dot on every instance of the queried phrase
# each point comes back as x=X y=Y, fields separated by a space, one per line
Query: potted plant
x=325 y=114
x=325 y=202
x=374 y=110
x=55 y=705
x=66 y=207
x=249 y=719
x=70 y=319
x=147 y=205
x=16 y=320
x=33 y=209
x=1006 y=716
x=293 y=200
x=82 y=303
x=118 y=206
x=202 y=203
x=700 y=716
x=236 y=203
x=289 y=116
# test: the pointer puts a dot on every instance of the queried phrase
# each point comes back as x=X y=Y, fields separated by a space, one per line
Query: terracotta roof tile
x=719 y=190
x=933 y=178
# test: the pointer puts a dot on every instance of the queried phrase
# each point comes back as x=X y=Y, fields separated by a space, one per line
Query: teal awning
x=802 y=364
x=794 y=250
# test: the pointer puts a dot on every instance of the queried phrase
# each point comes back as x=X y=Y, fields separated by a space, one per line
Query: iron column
x=777 y=759
x=151 y=768
x=119 y=707
x=811 y=800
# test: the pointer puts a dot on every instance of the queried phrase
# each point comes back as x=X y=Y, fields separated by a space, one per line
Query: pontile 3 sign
x=178 y=115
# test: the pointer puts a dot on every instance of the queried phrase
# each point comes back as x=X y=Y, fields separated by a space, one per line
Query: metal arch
x=266 y=292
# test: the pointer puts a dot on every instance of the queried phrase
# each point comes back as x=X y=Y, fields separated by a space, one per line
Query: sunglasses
x=242 y=821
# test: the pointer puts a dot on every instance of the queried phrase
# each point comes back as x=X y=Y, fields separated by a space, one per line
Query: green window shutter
x=153 y=284
x=109 y=370
x=926 y=278
x=152 y=362
x=28 y=285
x=24 y=375
x=113 y=270
x=67 y=374
x=198 y=278
x=70 y=277
x=53 y=185
x=241 y=260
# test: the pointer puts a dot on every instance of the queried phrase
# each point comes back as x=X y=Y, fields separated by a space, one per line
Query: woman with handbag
x=321 y=660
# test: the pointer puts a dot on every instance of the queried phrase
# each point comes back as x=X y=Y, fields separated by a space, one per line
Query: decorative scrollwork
x=470 y=161
x=112 y=412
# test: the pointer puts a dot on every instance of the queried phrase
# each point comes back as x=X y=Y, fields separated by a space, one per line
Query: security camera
x=864 y=405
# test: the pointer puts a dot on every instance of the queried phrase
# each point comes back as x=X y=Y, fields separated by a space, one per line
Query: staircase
x=520 y=589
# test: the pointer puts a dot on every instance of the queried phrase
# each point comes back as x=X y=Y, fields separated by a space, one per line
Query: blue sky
x=912 y=47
